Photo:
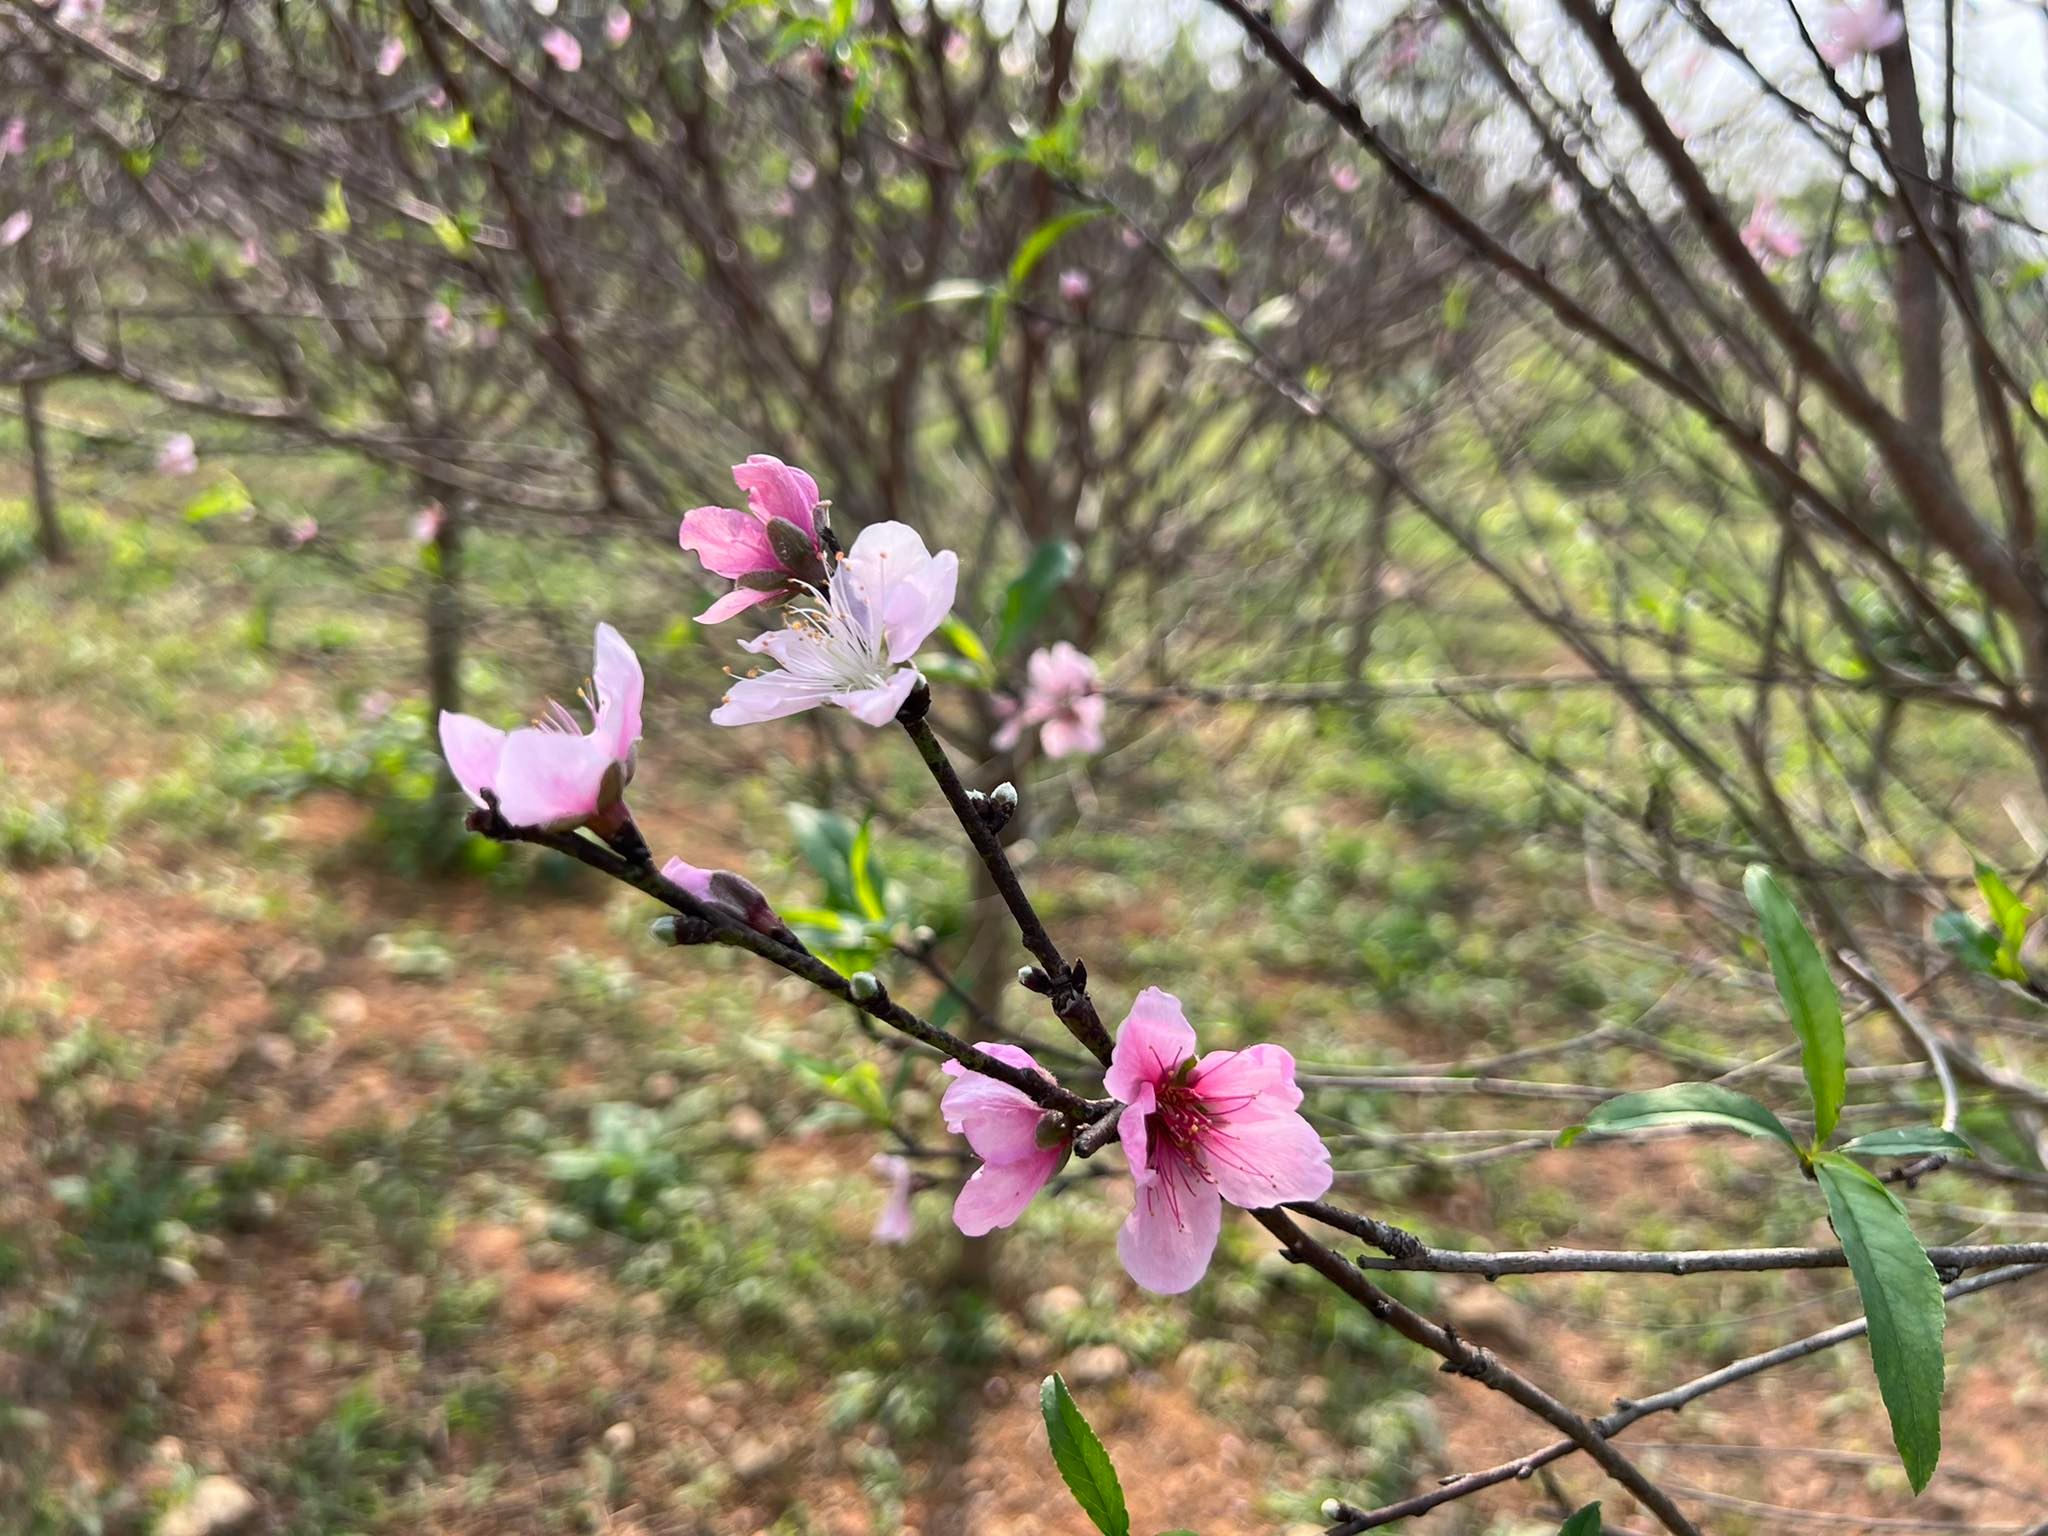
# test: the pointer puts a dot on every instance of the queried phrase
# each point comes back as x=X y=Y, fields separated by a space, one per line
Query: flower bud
x=863 y=986
x=1053 y=1130
x=663 y=930
x=1332 y=1511
x=1032 y=979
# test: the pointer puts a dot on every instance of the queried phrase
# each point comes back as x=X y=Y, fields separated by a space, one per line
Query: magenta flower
x=1020 y=1147
x=1199 y=1132
x=1769 y=236
x=894 y=1225
x=1061 y=698
x=771 y=549
x=1858 y=29
x=561 y=46
x=618 y=25
x=17 y=224
x=1075 y=286
x=391 y=55
x=730 y=893
x=178 y=456
x=553 y=774
x=887 y=597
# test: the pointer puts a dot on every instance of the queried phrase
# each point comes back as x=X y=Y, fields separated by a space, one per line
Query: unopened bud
x=663 y=930
x=1032 y=979
x=863 y=986
x=1332 y=1511
x=1053 y=1130
x=1004 y=795
x=996 y=807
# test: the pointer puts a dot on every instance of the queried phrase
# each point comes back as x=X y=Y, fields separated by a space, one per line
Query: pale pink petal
x=776 y=489
x=1153 y=1039
x=18 y=224
x=1267 y=1159
x=738 y=600
x=998 y=1192
x=620 y=687
x=770 y=696
x=551 y=778
x=1012 y=727
x=1170 y=1236
x=562 y=47
x=878 y=706
x=391 y=55
x=1062 y=736
x=1133 y=1130
x=472 y=749
x=618 y=25
x=894 y=1225
x=905 y=588
x=1261 y=1076
x=999 y=1122
x=730 y=543
x=692 y=879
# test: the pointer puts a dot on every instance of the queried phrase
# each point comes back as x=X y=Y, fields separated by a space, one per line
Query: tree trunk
x=49 y=531
x=1918 y=286
x=444 y=623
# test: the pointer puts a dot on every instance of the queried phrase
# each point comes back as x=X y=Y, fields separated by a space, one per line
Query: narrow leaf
x=1083 y=1463
x=1042 y=239
x=1810 y=998
x=1585 y=1523
x=1974 y=945
x=866 y=880
x=2012 y=916
x=1026 y=599
x=1902 y=1298
x=1909 y=1141
x=1684 y=1104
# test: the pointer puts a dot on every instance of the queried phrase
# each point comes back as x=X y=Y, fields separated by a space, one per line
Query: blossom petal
x=1150 y=1043
x=473 y=750
x=770 y=696
x=999 y=1122
x=550 y=778
x=738 y=600
x=878 y=706
x=692 y=879
x=1170 y=1236
x=1260 y=1077
x=1134 y=1132
x=730 y=543
x=620 y=686
x=1267 y=1159
x=904 y=590
x=998 y=1192
x=894 y=1225
x=776 y=489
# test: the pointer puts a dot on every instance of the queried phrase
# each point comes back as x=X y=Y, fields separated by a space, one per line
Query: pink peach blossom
x=1344 y=176
x=884 y=601
x=14 y=138
x=1858 y=29
x=732 y=894
x=1061 y=698
x=618 y=25
x=895 y=1224
x=770 y=549
x=553 y=774
x=561 y=46
x=426 y=523
x=1009 y=1134
x=303 y=532
x=440 y=319
x=178 y=456
x=1198 y=1132
x=1076 y=285
x=1770 y=236
x=16 y=225
x=391 y=55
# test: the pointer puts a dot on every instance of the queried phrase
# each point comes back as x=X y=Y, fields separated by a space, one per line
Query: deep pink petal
x=1150 y=1043
x=472 y=749
x=1265 y=1160
x=776 y=489
x=1134 y=1132
x=738 y=600
x=550 y=778
x=998 y=1192
x=878 y=706
x=1259 y=1079
x=999 y=1122
x=770 y=696
x=1170 y=1236
x=692 y=879
x=620 y=687
x=730 y=543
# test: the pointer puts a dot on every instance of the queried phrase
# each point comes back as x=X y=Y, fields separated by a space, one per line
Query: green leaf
x=1974 y=946
x=1039 y=243
x=826 y=842
x=1901 y=1297
x=333 y=218
x=1810 y=998
x=1585 y=1523
x=225 y=498
x=1026 y=599
x=860 y=866
x=963 y=639
x=2012 y=916
x=1909 y=1141
x=1684 y=1104
x=1082 y=1461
